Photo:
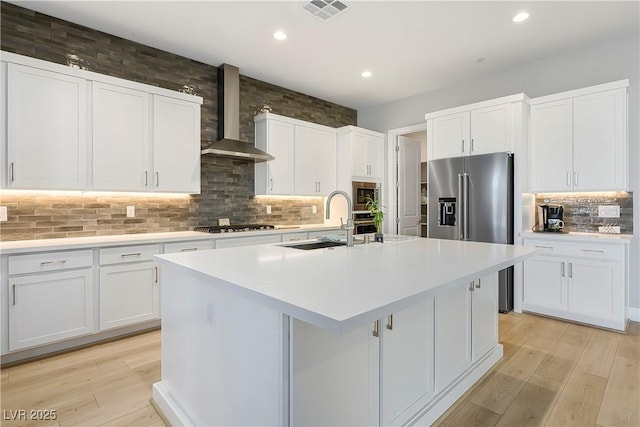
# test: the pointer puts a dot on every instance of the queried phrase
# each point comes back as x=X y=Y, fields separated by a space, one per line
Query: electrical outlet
x=314 y=209
x=609 y=211
x=131 y=211
x=3 y=213
x=223 y=221
x=268 y=210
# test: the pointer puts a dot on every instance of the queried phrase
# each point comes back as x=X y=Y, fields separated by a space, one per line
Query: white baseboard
x=634 y=313
x=168 y=408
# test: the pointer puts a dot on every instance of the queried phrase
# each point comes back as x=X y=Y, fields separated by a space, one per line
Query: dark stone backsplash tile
x=227 y=185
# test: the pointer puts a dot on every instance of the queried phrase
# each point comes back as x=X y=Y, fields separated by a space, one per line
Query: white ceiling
x=410 y=46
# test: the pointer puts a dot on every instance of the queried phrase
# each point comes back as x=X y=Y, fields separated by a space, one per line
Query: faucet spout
x=349 y=225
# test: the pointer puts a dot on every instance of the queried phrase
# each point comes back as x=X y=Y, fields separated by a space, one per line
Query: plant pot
x=378 y=237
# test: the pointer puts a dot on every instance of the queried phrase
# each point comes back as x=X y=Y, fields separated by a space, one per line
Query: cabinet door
x=46 y=130
x=599 y=141
x=326 y=161
x=176 y=145
x=334 y=378
x=128 y=294
x=407 y=363
x=453 y=335
x=551 y=146
x=281 y=140
x=234 y=242
x=450 y=135
x=120 y=138
x=484 y=316
x=315 y=161
x=545 y=283
x=491 y=129
x=50 y=307
x=358 y=149
x=375 y=156
x=596 y=288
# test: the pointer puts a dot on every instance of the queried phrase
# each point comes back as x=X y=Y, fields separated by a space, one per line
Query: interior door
x=408 y=186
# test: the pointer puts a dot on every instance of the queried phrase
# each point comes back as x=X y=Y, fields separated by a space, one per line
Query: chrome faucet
x=349 y=225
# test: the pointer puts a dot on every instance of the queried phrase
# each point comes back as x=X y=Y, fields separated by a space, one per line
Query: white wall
x=602 y=62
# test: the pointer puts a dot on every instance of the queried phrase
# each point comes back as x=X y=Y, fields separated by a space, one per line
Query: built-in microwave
x=361 y=192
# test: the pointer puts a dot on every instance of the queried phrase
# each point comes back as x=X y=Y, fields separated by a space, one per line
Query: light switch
x=609 y=211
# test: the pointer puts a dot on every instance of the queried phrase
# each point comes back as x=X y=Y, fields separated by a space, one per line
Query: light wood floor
x=553 y=373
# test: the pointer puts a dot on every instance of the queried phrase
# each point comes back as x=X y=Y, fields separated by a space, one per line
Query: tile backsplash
x=227 y=184
x=581 y=210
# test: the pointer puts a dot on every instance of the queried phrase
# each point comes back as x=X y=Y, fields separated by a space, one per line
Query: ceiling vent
x=325 y=9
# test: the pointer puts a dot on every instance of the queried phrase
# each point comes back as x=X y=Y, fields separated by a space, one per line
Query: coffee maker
x=550 y=218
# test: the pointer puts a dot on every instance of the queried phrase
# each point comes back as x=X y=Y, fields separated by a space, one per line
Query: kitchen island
x=376 y=334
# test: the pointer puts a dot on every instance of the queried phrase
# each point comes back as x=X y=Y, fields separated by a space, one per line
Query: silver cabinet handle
x=62 y=261
x=471 y=286
x=592 y=250
x=271 y=184
x=146 y=178
x=543 y=247
x=156 y=273
x=472 y=144
x=11 y=169
x=570 y=270
x=568 y=179
x=562 y=270
x=478 y=284
x=188 y=249
x=376 y=329
x=14 y=295
x=575 y=179
x=131 y=254
x=390 y=322
x=463 y=145
x=157 y=179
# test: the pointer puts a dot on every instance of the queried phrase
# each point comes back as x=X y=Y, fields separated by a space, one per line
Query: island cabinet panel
x=484 y=322
x=334 y=377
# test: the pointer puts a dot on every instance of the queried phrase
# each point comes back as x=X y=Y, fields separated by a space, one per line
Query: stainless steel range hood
x=229 y=120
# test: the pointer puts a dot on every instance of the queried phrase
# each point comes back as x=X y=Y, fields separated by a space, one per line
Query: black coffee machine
x=550 y=218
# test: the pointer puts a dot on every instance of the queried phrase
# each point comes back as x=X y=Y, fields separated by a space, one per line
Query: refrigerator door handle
x=465 y=206
x=461 y=204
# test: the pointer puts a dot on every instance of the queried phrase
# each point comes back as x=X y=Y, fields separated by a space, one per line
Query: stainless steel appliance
x=233 y=228
x=363 y=223
x=471 y=198
x=362 y=190
x=550 y=218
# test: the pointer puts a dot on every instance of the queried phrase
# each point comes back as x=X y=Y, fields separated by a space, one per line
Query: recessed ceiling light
x=279 y=35
x=522 y=16
x=366 y=73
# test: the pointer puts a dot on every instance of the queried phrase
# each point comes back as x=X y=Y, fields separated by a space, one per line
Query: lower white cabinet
x=247 y=241
x=484 y=306
x=129 y=289
x=50 y=297
x=583 y=282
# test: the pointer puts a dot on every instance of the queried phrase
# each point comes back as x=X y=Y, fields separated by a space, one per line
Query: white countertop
x=343 y=288
x=25 y=246
x=583 y=237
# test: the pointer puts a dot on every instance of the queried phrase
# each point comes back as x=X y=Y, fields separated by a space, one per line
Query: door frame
x=391 y=176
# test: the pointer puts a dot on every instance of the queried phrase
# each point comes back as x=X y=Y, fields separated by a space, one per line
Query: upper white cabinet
x=176 y=145
x=314 y=161
x=579 y=140
x=485 y=127
x=305 y=157
x=46 y=129
x=71 y=129
x=277 y=138
x=364 y=150
x=120 y=138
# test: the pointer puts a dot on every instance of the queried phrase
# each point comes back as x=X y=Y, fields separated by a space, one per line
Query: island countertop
x=342 y=288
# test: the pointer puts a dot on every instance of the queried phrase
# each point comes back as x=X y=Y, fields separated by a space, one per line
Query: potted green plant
x=375 y=208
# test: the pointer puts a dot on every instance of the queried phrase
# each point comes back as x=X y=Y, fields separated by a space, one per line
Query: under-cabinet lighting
x=583 y=194
x=70 y=193
x=263 y=198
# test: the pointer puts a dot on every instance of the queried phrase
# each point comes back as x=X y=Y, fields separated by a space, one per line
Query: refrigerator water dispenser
x=447 y=211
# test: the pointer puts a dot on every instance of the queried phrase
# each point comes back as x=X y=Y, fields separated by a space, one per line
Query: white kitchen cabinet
x=365 y=151
x=46 y=129
x=579 y=140
x=277 y=138
x=129 y=286
x=481 y=128
x=294 y=237
x=233 y=242
x=407 y=365
x=121 y=143
x=50 y=297
x=314 y=161
x=584 y=282
x=190 y=246
x=320 y=362
x=176 y=145
x=484 y=306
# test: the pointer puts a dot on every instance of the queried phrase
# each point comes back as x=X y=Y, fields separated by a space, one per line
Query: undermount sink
x=313 y=245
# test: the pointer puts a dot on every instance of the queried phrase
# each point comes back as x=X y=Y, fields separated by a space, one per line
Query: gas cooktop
x=233 y=228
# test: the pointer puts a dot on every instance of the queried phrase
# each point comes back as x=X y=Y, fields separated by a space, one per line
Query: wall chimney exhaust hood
x=229 y=120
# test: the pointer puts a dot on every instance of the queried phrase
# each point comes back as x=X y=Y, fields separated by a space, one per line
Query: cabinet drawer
x=196 y=245
x=128 y=254
x=247 y=241
x=316 y=234
x=292 y=237
x=578 y=249
x=50 y=261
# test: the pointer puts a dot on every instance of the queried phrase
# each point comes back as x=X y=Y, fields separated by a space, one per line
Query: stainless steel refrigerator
x=471 y=198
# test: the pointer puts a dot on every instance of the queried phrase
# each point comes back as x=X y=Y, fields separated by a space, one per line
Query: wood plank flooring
x=553 y=373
